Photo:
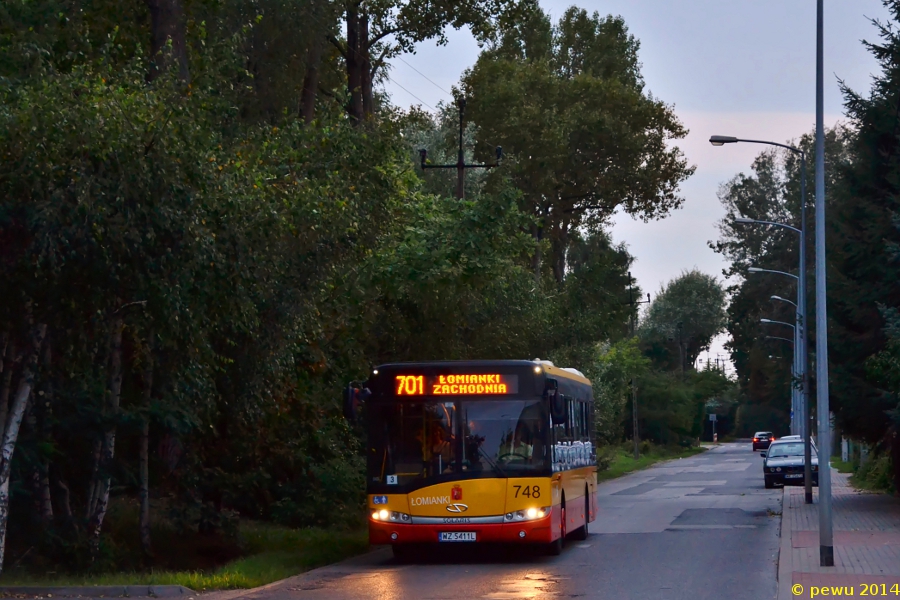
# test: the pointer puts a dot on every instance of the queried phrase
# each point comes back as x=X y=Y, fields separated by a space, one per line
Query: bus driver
x=517 y=448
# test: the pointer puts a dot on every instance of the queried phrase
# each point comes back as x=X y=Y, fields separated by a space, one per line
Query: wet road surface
x=696 y=528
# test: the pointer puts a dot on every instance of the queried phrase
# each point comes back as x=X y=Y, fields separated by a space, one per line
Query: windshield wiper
x=495 y=466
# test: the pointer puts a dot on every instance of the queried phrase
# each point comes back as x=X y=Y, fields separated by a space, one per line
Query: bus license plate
x=457 y=536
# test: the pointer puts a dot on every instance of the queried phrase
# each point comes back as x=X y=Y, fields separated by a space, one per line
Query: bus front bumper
x=527 y=532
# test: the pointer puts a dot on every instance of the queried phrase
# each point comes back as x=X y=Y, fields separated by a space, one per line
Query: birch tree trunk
x=9 y=364
x=97 y=449
x=95 y=523
x=95 y=479
x=14 y=422
x=31 y=426
x=145 y=460
x=45 y=411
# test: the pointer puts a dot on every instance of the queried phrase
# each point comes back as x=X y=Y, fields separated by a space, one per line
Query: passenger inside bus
x=473 y=443
x=441 y=454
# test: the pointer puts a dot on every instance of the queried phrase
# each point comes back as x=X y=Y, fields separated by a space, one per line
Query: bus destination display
x=451 y=385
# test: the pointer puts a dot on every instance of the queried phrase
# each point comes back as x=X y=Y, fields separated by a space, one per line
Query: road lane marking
x=696 y=483
x=689 y=527
x=664 y=493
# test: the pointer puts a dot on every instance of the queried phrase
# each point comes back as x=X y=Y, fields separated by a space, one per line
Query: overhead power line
x=400 y=58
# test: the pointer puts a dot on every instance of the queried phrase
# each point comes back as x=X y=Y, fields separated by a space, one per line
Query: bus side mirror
x=354 y=398
x=557 y=403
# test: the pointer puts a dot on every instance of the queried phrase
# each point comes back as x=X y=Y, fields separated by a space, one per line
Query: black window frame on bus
x=577 y=429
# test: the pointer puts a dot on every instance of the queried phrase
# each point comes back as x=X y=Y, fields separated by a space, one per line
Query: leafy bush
x=876 y=474
x=605 y=457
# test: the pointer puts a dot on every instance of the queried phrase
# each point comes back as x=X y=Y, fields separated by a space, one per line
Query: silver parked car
x=783 y=463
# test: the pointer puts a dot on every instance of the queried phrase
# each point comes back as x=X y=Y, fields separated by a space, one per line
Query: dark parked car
x=783 y=463
x=762 y=439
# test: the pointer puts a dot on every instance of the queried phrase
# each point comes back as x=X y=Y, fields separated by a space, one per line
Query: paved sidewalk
x=866 y=543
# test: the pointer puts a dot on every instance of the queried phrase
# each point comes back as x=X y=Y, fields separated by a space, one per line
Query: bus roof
x=549 y=368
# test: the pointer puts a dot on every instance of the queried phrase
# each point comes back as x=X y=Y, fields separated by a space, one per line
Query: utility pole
x=634 y=412
x=826 y=538
x=460 y=164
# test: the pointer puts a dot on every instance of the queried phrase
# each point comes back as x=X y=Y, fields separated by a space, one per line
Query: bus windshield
x=416 y=440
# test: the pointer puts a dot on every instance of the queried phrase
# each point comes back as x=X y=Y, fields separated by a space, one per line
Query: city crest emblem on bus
x=456 y=493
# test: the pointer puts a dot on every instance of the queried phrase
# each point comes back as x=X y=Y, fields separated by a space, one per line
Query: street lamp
x=801 y=333
x=721 y=140
x=826 y=532
x=777 y=322
x=801 y=359
x=796 y=370
x=780 y=299
x=758 y=270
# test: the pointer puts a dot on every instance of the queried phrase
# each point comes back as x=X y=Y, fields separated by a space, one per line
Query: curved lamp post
x=826 y=530
x=801 y=332
x=794 y=344
x=796 y=369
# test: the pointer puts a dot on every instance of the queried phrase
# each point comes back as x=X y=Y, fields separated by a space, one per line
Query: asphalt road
x=697 y=528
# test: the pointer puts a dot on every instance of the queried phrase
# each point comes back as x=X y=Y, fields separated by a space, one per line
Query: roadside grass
x=271 y=553
x=842 y=467
x=623 y=463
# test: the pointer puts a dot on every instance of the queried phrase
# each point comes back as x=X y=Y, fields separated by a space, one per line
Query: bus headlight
x=386 y=515
x=528 y=514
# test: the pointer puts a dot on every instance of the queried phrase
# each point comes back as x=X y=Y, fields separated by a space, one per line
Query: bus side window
x=573 y=427
x=586 y=434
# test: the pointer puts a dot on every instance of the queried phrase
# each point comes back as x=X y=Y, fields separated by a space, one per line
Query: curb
x=288 y=583
x=785 y=554
x=99 y=591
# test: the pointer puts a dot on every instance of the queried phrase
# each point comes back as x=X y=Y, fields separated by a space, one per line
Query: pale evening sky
x=742 y=68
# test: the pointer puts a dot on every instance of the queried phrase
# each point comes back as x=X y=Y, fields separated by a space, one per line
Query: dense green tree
x=672 y=408
x=771 y=192
x=613 y=369
x=200 y=249
x=687 y=314
x=584 y=139
x=863 y=237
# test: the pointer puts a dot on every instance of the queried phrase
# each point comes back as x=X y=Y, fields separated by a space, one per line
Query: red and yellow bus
x=479 y=452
